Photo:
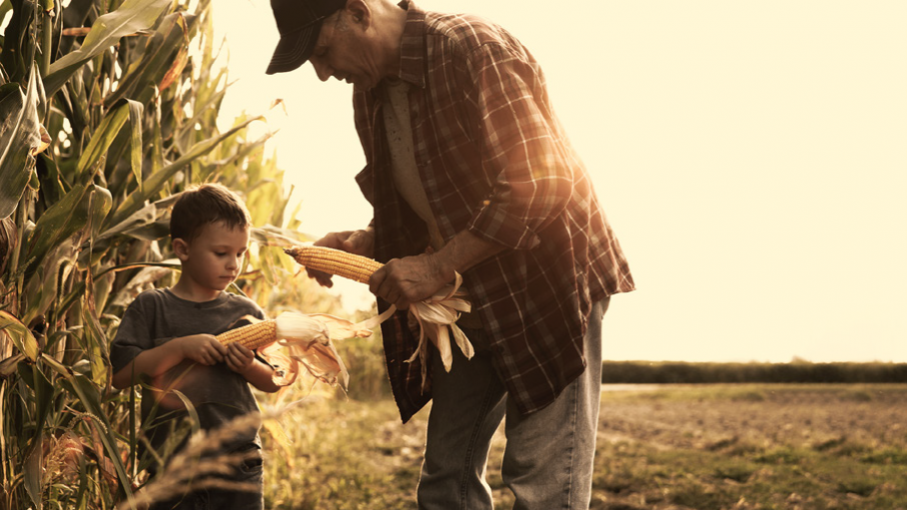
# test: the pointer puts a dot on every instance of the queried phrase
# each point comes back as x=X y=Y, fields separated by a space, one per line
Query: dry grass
x=696 y=447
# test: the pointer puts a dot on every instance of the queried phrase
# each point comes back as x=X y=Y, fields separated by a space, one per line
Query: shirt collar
x=412 y=45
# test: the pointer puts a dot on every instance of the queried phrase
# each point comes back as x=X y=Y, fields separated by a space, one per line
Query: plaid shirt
x=493 y=159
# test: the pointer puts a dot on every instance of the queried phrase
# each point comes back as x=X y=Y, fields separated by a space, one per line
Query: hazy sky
x=750 y=156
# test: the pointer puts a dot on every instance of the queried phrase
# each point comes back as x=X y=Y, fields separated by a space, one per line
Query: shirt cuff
x=493 y=223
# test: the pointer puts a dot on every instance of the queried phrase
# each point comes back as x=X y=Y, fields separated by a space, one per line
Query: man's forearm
x=464 y=251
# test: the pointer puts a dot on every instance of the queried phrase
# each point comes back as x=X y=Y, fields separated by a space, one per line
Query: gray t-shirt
x=219 y=394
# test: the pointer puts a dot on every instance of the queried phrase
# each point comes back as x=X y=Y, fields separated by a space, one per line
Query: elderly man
x=469 y=171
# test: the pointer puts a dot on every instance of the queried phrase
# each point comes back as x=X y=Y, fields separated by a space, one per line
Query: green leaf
x=20 y=335
x=19 y=41
x=66 y=218
x=32 y=472
x=102 y=137
x=5 y=7
x=155 y=183
x=148 y=215
x=90 y=396
x=20 y=140
x=43 y=286
x=94 y=342
x=132 y=16
x=135 y=118
x=162 y=50
x=10 y=364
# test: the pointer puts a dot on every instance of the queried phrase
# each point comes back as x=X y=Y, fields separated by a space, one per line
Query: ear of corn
x=252 y=336
x=287 y=326
x=335 y=262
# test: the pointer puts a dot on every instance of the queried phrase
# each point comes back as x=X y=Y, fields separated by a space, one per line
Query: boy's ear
x=181 y=249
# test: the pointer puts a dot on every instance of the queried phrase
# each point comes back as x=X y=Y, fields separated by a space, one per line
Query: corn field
x=108 y=111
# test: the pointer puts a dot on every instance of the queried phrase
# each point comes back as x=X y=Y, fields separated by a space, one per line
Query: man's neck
x=393 y=23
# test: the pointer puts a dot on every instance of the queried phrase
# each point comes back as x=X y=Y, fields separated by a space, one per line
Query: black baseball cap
x=299 y=23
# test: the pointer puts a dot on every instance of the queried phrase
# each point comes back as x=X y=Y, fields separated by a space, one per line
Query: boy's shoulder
x=163 y=300
x=150 y=297
x=242 y=302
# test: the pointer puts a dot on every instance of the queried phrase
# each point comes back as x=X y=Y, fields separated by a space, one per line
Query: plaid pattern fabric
x=493 y=159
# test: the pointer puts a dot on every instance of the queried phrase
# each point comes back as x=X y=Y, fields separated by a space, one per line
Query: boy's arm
x=203 y=349
x=242 y=360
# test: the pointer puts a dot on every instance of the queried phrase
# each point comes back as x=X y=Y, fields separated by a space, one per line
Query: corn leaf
x=104 y=135
x=142 y=218
x=90 y=396
x=135 y=119
x=32 y=470
x=19 y=41
x=20 y=141
x=155 y=182
x=44 y=286
x=66 y=218
x=161 y=53
x=20 y=335
x=132 y=16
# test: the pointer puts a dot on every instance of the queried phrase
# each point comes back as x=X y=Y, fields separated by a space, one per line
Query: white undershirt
x=406 y=173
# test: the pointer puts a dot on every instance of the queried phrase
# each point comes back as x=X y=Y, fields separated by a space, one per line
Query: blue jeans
x=549 y=453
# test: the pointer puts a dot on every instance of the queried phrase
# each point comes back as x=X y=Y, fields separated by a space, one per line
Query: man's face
x=343 y=51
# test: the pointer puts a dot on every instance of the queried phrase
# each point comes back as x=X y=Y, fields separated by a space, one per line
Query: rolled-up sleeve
x=522 y=154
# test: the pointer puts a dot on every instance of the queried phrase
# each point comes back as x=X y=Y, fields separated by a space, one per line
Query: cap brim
x=294 y=49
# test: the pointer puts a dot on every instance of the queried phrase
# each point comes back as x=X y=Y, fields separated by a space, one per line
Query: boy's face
x=214 y=258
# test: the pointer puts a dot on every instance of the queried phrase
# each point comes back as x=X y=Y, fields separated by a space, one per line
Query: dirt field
x=753 y=446
x=711 y=447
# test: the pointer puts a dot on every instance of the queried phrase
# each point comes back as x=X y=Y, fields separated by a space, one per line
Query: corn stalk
x=108 y=112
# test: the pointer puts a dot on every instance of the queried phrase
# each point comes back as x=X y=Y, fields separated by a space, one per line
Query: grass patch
x=692 y=447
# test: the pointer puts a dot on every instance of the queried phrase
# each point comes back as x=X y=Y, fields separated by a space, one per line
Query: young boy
x=167 y=337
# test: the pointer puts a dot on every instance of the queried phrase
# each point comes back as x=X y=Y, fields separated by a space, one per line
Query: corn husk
x=307 y=340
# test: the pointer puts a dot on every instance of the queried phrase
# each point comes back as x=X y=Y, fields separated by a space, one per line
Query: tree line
x=673 y=372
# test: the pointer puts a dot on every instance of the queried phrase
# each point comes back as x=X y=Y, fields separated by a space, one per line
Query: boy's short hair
x=208 y=203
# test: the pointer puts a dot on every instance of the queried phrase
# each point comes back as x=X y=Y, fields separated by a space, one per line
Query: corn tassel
x=335 y=262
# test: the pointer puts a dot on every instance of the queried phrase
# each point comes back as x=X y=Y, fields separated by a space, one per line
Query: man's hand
x=239 y=358
x=358 y=242
x=410 y=279
x=204 y=349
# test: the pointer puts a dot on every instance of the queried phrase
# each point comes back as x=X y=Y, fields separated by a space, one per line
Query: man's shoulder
x=466 y=31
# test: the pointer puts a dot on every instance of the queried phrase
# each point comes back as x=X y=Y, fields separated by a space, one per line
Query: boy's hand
x=239 y=358
x=204 y=349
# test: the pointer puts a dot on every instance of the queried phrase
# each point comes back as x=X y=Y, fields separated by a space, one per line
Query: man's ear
x=359 y=13
x=180 y=248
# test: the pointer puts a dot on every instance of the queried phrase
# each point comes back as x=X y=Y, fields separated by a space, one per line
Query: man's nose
x=321 y=69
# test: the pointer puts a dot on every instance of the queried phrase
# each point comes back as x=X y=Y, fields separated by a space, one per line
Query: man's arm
x=413 y=279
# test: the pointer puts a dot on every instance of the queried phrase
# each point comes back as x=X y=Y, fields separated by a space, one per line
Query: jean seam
x=572 y=448
x=470 y=450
